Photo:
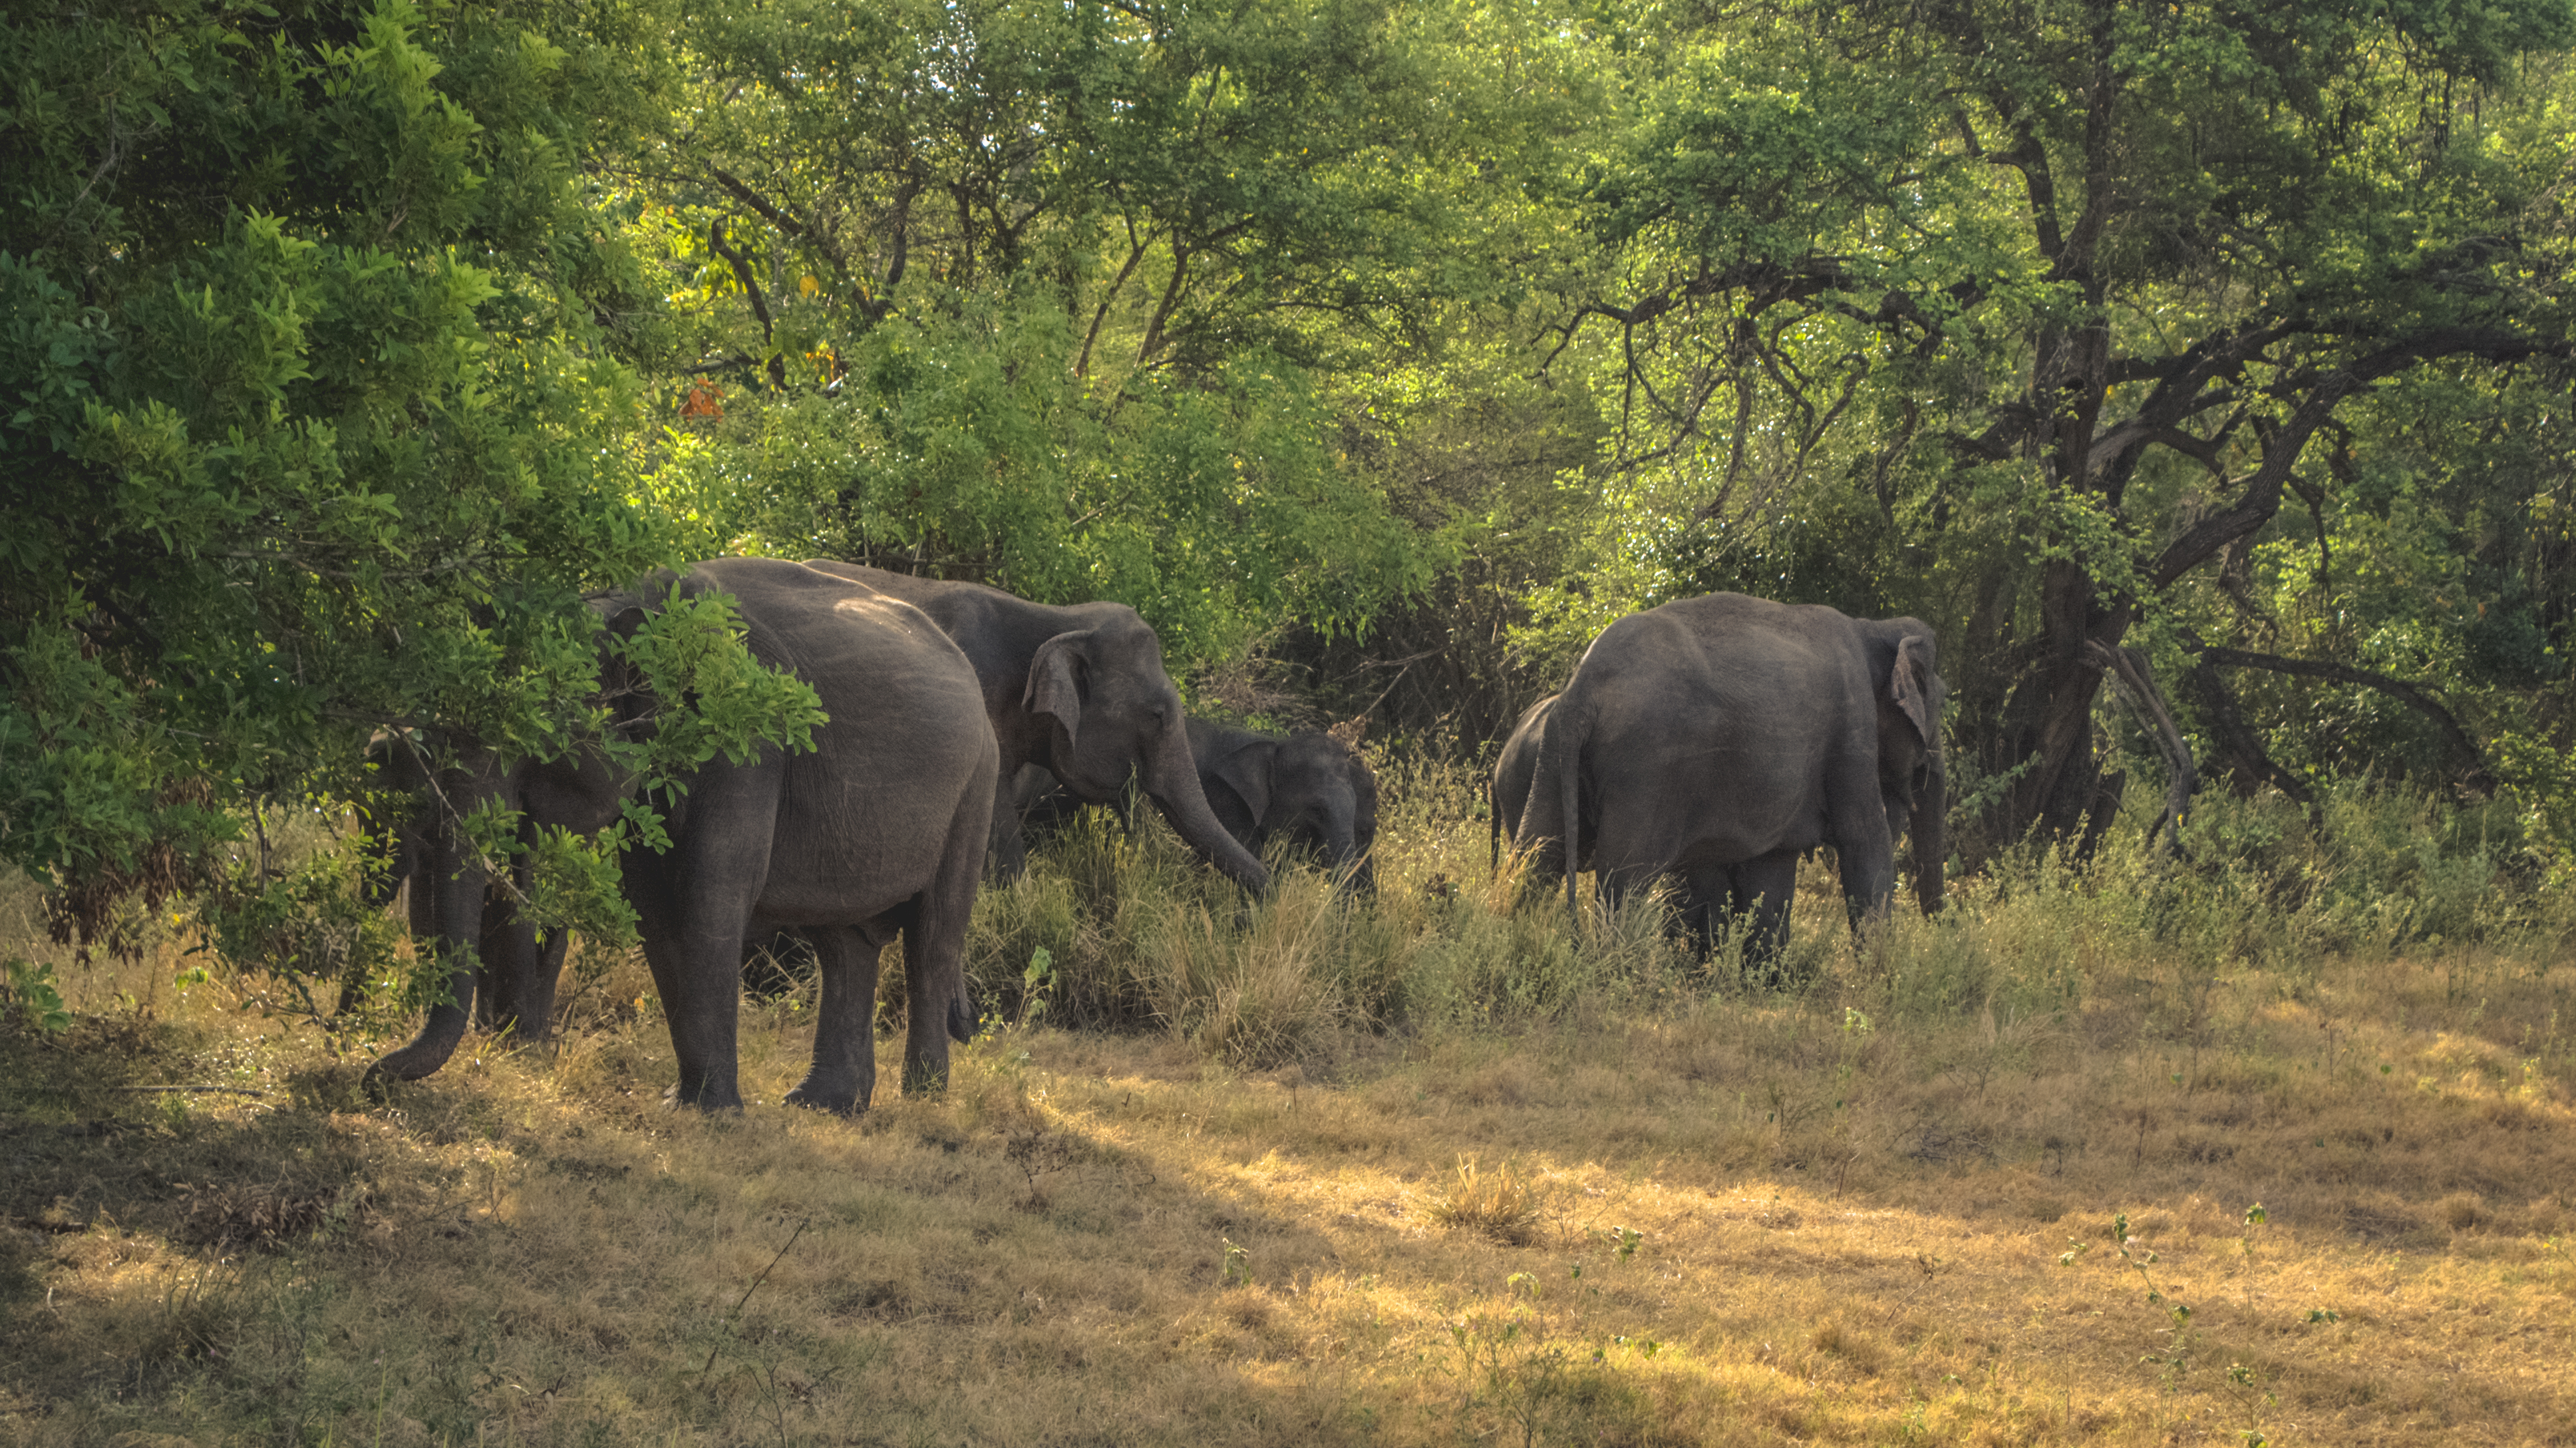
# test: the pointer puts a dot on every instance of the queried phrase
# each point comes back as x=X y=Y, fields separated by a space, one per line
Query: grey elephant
x=515 y=965
x=878 y=830
x=1508 y=791
x=1717 y=739
x=1079 y=690
x=1307 y=787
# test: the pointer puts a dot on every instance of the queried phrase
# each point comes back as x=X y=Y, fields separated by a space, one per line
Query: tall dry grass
x=1415 y=1168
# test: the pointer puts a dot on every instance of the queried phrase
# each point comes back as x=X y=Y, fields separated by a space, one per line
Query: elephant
x=1080 y=690
x=1307 y=787
x=1508 y=791
x=516 y=967
x=1719 y=738
x=878 y=829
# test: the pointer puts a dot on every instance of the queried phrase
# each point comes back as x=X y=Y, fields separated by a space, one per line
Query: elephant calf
x=1507 y=793
x=1306 y=787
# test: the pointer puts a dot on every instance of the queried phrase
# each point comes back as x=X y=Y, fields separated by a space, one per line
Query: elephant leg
x=530 y=967
x=490 y=969
x=1009 y=850
x=936 y=1006
x=694 y=905
x=843 y=1077
x=1864 y=848
x=1764 y=888
x=1705 y=899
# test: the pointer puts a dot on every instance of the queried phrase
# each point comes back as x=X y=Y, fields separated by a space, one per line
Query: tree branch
x=2474 y=776
x=759 y=304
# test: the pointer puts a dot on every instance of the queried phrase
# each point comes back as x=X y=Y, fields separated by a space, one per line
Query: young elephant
x=1307 y=787
x=1717 y=739
x=1507 y=793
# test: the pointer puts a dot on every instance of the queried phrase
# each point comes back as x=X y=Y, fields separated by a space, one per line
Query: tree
x=317 y=357
x=2073 y=293
x=1067 y=298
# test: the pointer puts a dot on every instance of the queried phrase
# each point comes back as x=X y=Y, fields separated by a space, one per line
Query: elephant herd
x=1713 y=739
x=934 y=694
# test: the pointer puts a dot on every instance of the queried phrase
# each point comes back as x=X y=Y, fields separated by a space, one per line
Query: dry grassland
x=1880 y=1209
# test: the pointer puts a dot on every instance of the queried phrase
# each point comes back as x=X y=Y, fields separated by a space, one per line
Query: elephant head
x=1307 y=787
x=1913 y=776
x=1110 y=710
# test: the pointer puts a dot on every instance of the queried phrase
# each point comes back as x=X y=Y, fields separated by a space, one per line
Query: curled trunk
x=455 y=881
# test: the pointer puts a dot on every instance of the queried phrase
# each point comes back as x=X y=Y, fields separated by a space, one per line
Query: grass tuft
x=1503 y=1204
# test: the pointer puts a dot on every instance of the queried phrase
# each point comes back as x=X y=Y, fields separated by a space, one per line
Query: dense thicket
x=1378 y=351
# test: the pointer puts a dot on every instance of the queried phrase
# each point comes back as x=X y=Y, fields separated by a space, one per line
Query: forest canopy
x=1378 y=351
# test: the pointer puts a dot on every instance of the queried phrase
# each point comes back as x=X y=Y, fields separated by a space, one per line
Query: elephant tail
x=1564 y=751
x=1493 y=827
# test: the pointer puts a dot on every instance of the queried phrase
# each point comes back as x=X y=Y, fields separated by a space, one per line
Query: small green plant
x=1037 y=983
x=1237 y=1271
x=36 y=998
x=2324 y=1314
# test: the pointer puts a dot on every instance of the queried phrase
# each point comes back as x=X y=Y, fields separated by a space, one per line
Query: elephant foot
x=817 y=1098
x=708 y=1101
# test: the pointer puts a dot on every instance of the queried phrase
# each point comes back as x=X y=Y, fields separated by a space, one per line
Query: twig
x=209 y=1090
x=732 y=1316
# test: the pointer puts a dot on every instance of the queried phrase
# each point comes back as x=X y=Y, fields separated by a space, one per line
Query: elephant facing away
x=1307 y=787
x=1717 y=739
x=1507 y=793
x=879 y=829
x=1079 y=690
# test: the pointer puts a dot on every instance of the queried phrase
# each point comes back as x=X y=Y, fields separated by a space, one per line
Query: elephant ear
x=1246 y=771
x=1056 y=681
x=1364 y=796
x=1910 y=686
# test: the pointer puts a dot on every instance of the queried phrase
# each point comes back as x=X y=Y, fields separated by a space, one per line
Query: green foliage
x=35 y=997
x=317 y=366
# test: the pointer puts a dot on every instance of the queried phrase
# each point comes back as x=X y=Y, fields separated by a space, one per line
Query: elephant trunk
x=1172 y=778
x=1929 y=836
x=454 y=878
x=1341 y=846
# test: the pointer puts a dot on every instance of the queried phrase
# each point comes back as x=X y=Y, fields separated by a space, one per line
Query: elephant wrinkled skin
x=1717 y=739
x=879 y=829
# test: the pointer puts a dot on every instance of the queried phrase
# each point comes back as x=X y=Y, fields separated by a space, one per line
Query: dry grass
x=1878 y=1209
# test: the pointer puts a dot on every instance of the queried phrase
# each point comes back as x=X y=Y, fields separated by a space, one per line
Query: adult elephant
x=1507 y=793
x=1307 y=787
x=1717 y=739
x=879 y=829
x=516 y=966
x=1077 y=689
